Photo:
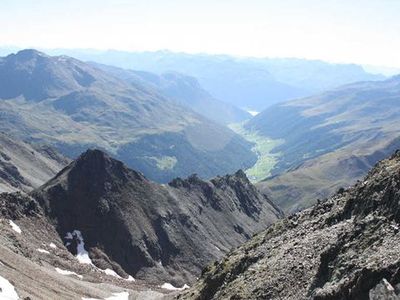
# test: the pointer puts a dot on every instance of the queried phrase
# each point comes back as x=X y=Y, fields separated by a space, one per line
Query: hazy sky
x=360 y=31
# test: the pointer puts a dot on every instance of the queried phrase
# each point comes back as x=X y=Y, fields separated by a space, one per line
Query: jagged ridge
x=155 y=232
x=339 y=249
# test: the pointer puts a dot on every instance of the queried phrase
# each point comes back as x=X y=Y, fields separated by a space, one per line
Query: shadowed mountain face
x=342 y=248
x=25 y=167
x=73 y=105
x=185 y=90
x=154 y=232
x=330 y=140
x=251 y=83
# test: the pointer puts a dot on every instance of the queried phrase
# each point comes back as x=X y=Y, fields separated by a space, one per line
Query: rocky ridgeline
x=346 y=247
x=159 y=233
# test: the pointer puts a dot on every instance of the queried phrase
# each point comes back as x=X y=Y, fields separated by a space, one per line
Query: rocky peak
x=152 y=231
x=98 y=167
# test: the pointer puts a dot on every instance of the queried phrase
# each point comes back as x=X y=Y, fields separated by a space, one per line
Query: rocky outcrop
x=152 y=231
x=343 y=248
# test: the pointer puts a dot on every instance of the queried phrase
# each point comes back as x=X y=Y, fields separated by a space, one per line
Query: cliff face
x=152 y=231
x=343 y=248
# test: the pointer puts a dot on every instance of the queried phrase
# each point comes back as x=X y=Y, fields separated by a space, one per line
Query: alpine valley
x=123 y=176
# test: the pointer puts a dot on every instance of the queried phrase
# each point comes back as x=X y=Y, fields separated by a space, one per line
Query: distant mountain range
x=101 y=227
x=330 y=140
x=183 y=89
x=73 y=106
x=249 y=83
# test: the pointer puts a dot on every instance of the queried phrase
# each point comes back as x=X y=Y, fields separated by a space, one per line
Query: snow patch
x=170 y=287
x=253 y=112
x=7 y=290
x=119 y=296
x=66 y=272
x=82 y=255
x=52 y=245
x=15 y=227
x=42 y=251
x=115 y=296
x=111 y=273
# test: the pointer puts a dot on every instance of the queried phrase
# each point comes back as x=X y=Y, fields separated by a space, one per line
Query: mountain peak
x=96 y=165
x=38 y=76
x=94 y=154
x=139 y=223
x=29 y=54
x=241 y=174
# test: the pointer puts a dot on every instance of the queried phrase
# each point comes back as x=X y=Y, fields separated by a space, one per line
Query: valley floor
x=266 y=160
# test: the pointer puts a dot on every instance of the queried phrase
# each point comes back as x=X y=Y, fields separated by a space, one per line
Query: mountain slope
x=151 y=231
x=37 y=265
x=25 y=167
x=335 y=136
x=73 y=105
x=343 y=248
x=185 y=90
x=249 y=83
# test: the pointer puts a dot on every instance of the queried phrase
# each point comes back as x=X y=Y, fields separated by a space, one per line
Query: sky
x=345 y=31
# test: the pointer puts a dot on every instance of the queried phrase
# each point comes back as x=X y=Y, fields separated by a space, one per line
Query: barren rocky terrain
x=343 y=248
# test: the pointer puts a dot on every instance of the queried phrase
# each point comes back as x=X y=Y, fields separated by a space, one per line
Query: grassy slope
x=263 y=146
x=74 y=106
x=331 y=140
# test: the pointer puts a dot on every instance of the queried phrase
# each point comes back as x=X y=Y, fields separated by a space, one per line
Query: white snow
x=42 y=251
x=115 y=296
x=66 y=272
x=7 y=290
x=170 y=287
x=111 y=273
x=82 y=255
x=119 y=296
x=253 y=112
x=52 y=245
x=15 y=227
